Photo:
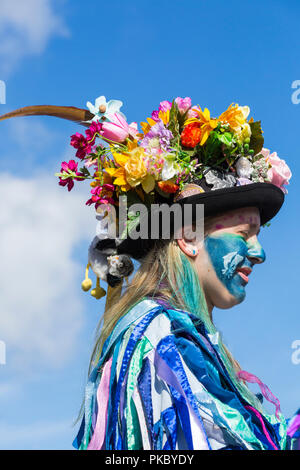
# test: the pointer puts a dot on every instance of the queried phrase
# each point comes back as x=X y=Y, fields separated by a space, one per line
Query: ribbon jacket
x=160 y=385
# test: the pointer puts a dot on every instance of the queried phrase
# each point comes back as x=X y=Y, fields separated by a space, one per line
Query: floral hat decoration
x=181 y=154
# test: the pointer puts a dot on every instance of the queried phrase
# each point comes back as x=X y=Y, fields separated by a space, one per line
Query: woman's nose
x=255 y=251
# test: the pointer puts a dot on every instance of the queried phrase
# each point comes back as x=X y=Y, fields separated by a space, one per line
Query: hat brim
x=267 y=197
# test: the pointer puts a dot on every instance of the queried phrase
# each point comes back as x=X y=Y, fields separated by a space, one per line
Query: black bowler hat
x=266 y=197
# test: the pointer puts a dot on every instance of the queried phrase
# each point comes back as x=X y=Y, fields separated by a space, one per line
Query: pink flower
x=280 y=173
x=101 y=195
x=165 y=106
x=191 y=113
x=183 y=104
x=78 y=141
x=66 y=168
x=118 y=130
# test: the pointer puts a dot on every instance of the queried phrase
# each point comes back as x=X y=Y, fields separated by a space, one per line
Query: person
x=160 y=375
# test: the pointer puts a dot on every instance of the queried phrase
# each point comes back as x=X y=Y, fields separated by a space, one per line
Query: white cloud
x=25 y=29
x=41 y=300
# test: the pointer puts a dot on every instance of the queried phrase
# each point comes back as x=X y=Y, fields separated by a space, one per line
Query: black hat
x=267 y=197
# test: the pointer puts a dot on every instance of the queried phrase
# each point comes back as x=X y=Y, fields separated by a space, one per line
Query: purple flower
x=159 y=137
x=243 y=181
x=155 y=116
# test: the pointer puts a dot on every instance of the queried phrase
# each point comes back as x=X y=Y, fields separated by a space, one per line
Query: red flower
x=65 y=169
x=191 y=135
x=94 y=128
x=78 y=141
x=168 y=187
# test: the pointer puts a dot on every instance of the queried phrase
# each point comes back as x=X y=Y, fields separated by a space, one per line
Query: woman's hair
x=166 y=272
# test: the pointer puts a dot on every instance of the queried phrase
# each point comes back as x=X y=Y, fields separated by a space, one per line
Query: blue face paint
x=227 y=252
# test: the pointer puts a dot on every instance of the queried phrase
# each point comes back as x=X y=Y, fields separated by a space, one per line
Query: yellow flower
x=119 y=173
x=235 y=115
x=243 y=132
x=207 y=124
x=135 y=167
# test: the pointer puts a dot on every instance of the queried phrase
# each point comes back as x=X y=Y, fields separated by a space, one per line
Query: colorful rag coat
x=294 y=431
x=160 y=384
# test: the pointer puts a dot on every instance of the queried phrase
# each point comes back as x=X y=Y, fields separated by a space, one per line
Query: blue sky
x=66 y=53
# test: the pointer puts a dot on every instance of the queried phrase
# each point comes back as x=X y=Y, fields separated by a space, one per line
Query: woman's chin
x=229 y=300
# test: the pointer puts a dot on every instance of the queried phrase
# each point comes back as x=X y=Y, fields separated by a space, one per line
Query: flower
x=78 y=141
x=165 y=106
x=243 y=181
x=159 y=137
x=235 y=115
x=136 y=170
x=183 y=104
x=163 y=113
x=192 y=113
x=104 y=110
x=94 y=129
x=69 y=172
x=279 y=174
x=242 y=133
x=170 y=167
x=191 y=135
x=119 y=173
x=206 y=123
x=168 y=186
x=118 y=129
x=243 y=168
x=101 y=195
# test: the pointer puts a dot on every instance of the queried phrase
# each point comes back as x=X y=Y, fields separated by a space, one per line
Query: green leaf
x=173 y=125
x=256 y=139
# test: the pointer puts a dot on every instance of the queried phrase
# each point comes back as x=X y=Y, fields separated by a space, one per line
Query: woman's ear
x=188 y=247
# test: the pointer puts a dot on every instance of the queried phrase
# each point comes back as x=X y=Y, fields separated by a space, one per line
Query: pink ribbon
x=244 y=375
x=263 y=425
x=97 y=440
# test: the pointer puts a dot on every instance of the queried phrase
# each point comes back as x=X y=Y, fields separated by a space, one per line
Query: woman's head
x=225 y=258
x=195 y=282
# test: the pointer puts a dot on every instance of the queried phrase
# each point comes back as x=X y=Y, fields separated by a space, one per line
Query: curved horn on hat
x=64 y=112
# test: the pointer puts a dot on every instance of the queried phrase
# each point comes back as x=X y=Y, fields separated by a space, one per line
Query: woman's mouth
x=244 y=273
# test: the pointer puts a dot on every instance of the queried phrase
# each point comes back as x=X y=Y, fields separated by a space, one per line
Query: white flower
x=243 y=168
x=170 y=167
x=104 y=109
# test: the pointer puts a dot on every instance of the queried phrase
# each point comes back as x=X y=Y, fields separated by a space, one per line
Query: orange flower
x=168 y=186
x=191 y=135
x=207 y=124
x=235 y=115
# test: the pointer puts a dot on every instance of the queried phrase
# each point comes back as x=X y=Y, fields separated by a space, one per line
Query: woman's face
x=226 y=257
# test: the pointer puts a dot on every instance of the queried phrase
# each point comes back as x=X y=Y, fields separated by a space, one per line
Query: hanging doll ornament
x=104 y=260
